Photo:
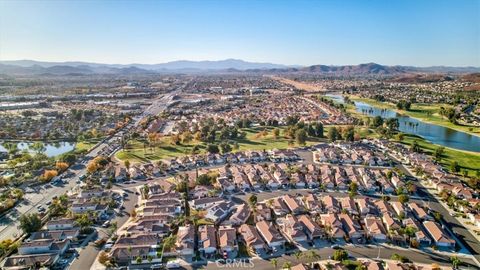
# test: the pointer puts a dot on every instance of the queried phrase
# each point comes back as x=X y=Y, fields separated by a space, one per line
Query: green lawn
x=136 y=152
x=467 y=160
x=85 y=145
x=425 y=112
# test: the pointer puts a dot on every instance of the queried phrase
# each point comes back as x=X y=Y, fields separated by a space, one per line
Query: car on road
x=172 y=265
x=157 y=266
x=106 y=224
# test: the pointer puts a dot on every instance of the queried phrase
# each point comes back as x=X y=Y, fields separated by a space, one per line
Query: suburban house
x=439 y=236
x=252 y=238
x=207 y=241
x=60 y=224
x=239 y=216
x=227 y=241
x=292 y=229
x=311 y=228
x=375 y=229
x=185 y=241
x=272 y=237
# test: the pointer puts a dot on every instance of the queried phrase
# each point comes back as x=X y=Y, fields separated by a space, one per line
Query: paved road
x=40 y=195
x=89 y=253
x=357 y=252
x=451 y=223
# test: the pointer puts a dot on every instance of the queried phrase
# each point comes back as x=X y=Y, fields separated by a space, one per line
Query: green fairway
x=467 y=160
x=135 y=150
x=84 y=145
x=424 y=112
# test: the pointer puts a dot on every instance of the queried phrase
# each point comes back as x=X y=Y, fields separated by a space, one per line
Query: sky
x=394 y=32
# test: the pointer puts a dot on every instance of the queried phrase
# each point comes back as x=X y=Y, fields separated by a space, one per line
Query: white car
x=173 y=265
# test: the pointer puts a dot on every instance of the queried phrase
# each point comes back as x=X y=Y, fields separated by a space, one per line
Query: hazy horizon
x=215 y=60
x=410 y=33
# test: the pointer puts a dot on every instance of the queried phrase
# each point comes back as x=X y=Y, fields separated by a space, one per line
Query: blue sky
x=404 y=32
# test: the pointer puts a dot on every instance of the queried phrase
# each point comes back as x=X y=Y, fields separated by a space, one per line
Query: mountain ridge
x=32 y=67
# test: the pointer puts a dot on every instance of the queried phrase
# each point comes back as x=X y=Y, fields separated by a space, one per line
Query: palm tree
x=287 y=265
x=12 y=148
x=311 y=255
x=297 y=255
x=274 y=262
x=38 y=147
x=455 y=262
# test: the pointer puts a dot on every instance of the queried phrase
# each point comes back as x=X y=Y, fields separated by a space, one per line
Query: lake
x=434 y=133
x=51 y=149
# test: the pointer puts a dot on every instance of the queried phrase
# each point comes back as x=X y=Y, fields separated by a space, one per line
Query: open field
x=136 y=152
x=299 y=85
x=424 y=112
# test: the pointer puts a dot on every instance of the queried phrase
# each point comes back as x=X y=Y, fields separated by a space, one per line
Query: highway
x=34 y=197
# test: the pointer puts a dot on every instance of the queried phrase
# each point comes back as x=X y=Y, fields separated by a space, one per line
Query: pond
x=431 y=132
x=52 y=149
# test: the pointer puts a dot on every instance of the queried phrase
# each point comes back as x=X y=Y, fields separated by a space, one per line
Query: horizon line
x=236 y=59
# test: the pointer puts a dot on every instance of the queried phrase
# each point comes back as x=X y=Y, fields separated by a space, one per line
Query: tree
x=415 y=147
x=145 y=191
x=48 y=175
x=350 y=134
x=455 y=262
x=332 y=134
x=352 y=189
x=377 y=121
x=439 y=153
x=225 y=147
x=311 y=255
x=103 y=258
x=274 y=262
x=187 y=137
x=292 y=120
x=287 y=265
x=301 y=136
x=204 y=180
x=392 y=123
x=319 y=130
x=92 y=167
x=127 y=164
x=38 y=147
x=30 y=223
x=400 y=258
x=340 y=255
x=437 y=216
x=454 y=167
x=213 y=148
x=175 y=139
x=11 y=147
x=276 y=133
x=69 y=158
x=83 y=221
x=61 y=166
x=403 y=198
x=297 y=255
x=252 y=201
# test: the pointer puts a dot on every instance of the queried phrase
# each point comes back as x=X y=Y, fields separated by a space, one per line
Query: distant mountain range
x=30 y=67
